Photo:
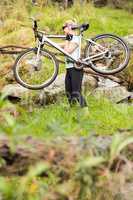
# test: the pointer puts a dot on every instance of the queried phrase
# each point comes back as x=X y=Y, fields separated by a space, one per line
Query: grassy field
x=17 y=25
x=104 y=118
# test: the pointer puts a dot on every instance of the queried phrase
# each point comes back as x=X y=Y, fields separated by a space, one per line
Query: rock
x=13 y=91
x=51 y=94
x=106 y=82
x=129 y=40
x=115 y=94
x=128 y=99
x=57 y=89
x=89 y=83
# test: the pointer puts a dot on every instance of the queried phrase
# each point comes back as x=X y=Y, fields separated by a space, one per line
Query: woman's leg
x=76 y=83
x=68 y=88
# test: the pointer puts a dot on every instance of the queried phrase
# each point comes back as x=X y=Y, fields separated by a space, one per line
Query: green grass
x=58 y=119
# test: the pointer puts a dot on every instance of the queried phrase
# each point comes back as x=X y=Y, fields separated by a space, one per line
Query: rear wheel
x=114 y=60
x=35 y=72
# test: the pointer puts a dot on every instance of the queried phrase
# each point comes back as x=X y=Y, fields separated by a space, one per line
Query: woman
x=74 y=77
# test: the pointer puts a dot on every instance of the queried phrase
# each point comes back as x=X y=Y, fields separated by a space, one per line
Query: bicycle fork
x=38 y=50
x=36 y=60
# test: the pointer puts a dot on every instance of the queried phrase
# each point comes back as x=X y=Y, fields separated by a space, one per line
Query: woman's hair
x=70 y=22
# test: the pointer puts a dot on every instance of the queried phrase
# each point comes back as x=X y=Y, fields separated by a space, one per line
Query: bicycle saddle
x=82 y=27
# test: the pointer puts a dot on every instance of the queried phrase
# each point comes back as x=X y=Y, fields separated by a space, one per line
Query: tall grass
x=101 y=20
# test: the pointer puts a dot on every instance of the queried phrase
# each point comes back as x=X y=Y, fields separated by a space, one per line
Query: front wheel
x=114 y=60
x=35 y=72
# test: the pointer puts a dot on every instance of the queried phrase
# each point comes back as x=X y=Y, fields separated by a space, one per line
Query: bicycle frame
x=85 y=61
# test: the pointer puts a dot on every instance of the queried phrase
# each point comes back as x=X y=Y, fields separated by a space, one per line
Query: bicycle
x=36 y=68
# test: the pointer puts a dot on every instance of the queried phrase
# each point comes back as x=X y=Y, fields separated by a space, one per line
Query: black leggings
x=73 y=84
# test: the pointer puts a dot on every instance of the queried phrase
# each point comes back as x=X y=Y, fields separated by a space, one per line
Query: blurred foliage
x=92 y=175
x=16 y=27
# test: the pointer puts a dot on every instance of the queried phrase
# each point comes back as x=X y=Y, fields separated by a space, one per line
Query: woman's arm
x=70 y=46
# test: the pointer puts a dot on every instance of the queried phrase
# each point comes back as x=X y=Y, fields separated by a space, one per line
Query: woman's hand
x=79 y=62
x=69 y=37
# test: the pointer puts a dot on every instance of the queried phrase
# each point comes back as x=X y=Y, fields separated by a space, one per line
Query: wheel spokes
x=34 y=70
x=110 y=60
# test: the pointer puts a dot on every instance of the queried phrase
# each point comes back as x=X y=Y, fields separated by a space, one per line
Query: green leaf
x=124 y=144
x=119 y=142
x=38 y=169
x=91 y=162
x=113 y=148
x=9 y=119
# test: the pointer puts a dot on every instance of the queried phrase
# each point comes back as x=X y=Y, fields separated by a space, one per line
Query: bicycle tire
x=122 y=42
x=35 y=87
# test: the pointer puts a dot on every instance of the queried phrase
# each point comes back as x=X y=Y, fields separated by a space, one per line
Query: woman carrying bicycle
x=74 y=77
x=37 y=68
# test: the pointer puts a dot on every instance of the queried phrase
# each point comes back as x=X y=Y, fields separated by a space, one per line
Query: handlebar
x=35 y=26
x=81 y=27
